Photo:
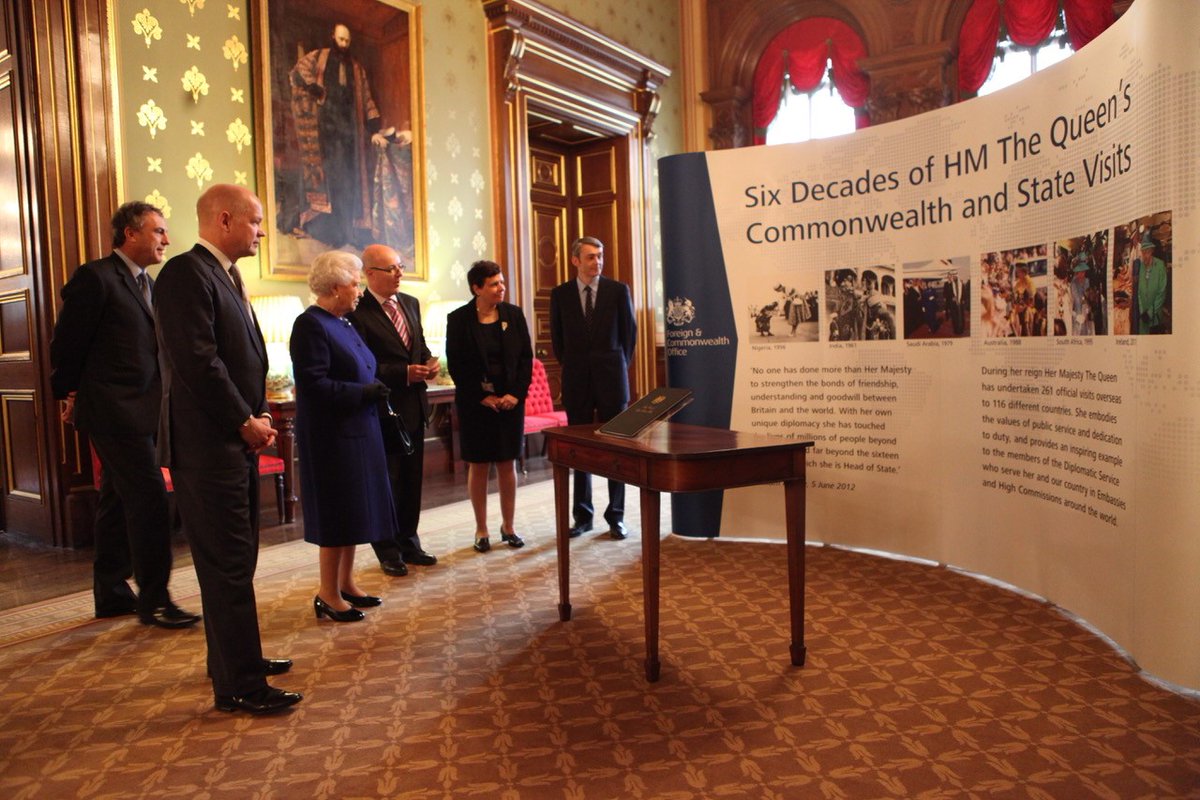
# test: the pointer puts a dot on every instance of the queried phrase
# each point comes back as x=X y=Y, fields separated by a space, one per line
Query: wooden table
x=680 y=458
x=283 y=414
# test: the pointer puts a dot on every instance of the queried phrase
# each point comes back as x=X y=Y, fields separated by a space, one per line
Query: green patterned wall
x=185 y=82
x=185 y=104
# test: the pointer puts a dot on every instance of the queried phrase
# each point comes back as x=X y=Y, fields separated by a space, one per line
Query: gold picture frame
x=307 y=83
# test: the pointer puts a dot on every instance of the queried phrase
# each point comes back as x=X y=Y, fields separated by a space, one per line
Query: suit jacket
x=104 y=348
x=467 y=361
x=213 y=361
x=595 y=362
x=393 y=358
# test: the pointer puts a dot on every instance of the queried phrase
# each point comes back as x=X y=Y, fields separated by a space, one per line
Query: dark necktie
x=241 y=287
x=143 y=282
x=587 y=306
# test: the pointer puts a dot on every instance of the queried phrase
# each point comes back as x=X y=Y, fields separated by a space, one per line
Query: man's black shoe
x=266 y=700
x=276 y=666
x=580 y=530
x=116 y=611
x=396 y=568
x=271 y=666
x=618 y=530
x=420 y=558
x=169 y=616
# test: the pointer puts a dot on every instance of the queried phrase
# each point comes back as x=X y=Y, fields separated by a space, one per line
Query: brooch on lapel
x=503 y=325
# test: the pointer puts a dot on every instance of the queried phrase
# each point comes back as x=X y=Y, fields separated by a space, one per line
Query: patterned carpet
x=920 y=683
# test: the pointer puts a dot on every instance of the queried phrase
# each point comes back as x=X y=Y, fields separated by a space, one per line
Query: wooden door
x=574 y=190
x=25 y=490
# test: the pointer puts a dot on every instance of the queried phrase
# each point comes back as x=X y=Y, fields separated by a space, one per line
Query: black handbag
x=395 y=436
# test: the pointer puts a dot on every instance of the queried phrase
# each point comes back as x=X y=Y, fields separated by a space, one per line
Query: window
x=816 y=114
x=1015 y=63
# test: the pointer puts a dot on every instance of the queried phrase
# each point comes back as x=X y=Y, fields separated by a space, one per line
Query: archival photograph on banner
x=1081 y=286
x=1014 y=292
x=937 y=299
x=1142 y=276
x=860 y=304
x=787 y=312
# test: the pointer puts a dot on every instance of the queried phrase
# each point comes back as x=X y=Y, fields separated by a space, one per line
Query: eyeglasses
x=394 y=269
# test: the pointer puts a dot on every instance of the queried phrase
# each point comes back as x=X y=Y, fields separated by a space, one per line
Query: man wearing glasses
x=390 y=323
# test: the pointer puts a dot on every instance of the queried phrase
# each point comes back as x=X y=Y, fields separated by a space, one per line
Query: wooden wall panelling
x=541 y=61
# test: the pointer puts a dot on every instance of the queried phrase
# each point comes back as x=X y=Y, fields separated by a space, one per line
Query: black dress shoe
x=580 y=530
x=266 y=700
x=169 y=616
x=482 y=545
x=420 y=558
x=511 y=539
x=362 y=600
x=618 y=530
x=271 y=666
x=276 y=666
x=116 y=611
x=395 y=568
x=323 y=609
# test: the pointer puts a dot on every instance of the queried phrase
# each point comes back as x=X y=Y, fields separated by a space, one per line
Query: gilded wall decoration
x=180 y=73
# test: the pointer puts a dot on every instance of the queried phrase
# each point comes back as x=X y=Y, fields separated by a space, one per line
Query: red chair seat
x=542 y=421
x=267 y=465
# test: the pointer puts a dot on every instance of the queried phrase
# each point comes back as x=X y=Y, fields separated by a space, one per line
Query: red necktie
x=393 y=312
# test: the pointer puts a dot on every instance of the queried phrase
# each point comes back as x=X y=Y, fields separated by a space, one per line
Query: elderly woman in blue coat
x=344 y=490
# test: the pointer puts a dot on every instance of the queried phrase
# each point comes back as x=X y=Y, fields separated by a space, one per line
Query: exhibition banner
x=983 y=318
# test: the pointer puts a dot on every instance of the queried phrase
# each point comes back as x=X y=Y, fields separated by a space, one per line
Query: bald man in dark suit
x=105 y=369
x=214 y=423
x=389 y=321
x=593 y=332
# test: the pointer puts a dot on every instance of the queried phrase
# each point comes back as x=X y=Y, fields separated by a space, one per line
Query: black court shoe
x=323 y=609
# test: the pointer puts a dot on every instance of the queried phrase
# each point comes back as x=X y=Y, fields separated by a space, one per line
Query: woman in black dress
x=490 y=359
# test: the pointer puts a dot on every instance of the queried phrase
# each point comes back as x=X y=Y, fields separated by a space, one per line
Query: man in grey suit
x=593 y=333
x=390 y=323
x=214 y=423
x=105 y=368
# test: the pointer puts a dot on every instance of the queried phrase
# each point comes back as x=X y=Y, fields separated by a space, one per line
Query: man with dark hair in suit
x=593 y=333
x=390 y=323
x=214 y=423
x=105 y=368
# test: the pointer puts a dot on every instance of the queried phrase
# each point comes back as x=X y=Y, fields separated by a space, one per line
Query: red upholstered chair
x=539 y=408
x=267 y=465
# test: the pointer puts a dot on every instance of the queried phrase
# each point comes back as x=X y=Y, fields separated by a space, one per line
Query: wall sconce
x=276 y=313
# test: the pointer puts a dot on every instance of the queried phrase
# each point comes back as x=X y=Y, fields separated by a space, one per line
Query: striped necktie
x=393 y=311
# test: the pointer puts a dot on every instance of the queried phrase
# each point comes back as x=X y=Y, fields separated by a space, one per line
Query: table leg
x=285 y=445
x=794 y=502
x=650 y=579
x=562 y=502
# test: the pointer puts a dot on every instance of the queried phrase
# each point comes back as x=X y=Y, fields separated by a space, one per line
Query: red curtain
x=800 y=50
x=1029 y=23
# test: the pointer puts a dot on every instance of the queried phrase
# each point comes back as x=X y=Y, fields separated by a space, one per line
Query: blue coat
x=344 y=489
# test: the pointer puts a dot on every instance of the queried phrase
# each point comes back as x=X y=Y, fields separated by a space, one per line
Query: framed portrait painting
x=340 y=104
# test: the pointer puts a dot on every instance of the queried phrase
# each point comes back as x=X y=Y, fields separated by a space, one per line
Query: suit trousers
x=582 y=510
x=219 y=507
x=405 y=472
x=132 y=529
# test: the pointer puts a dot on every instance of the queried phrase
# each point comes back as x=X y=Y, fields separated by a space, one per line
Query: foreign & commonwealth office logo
x=680 y=311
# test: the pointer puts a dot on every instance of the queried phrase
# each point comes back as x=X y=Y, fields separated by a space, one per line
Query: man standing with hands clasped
x=390 y=323
x=105 y=369
x=214 y=423
x=593 y=333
